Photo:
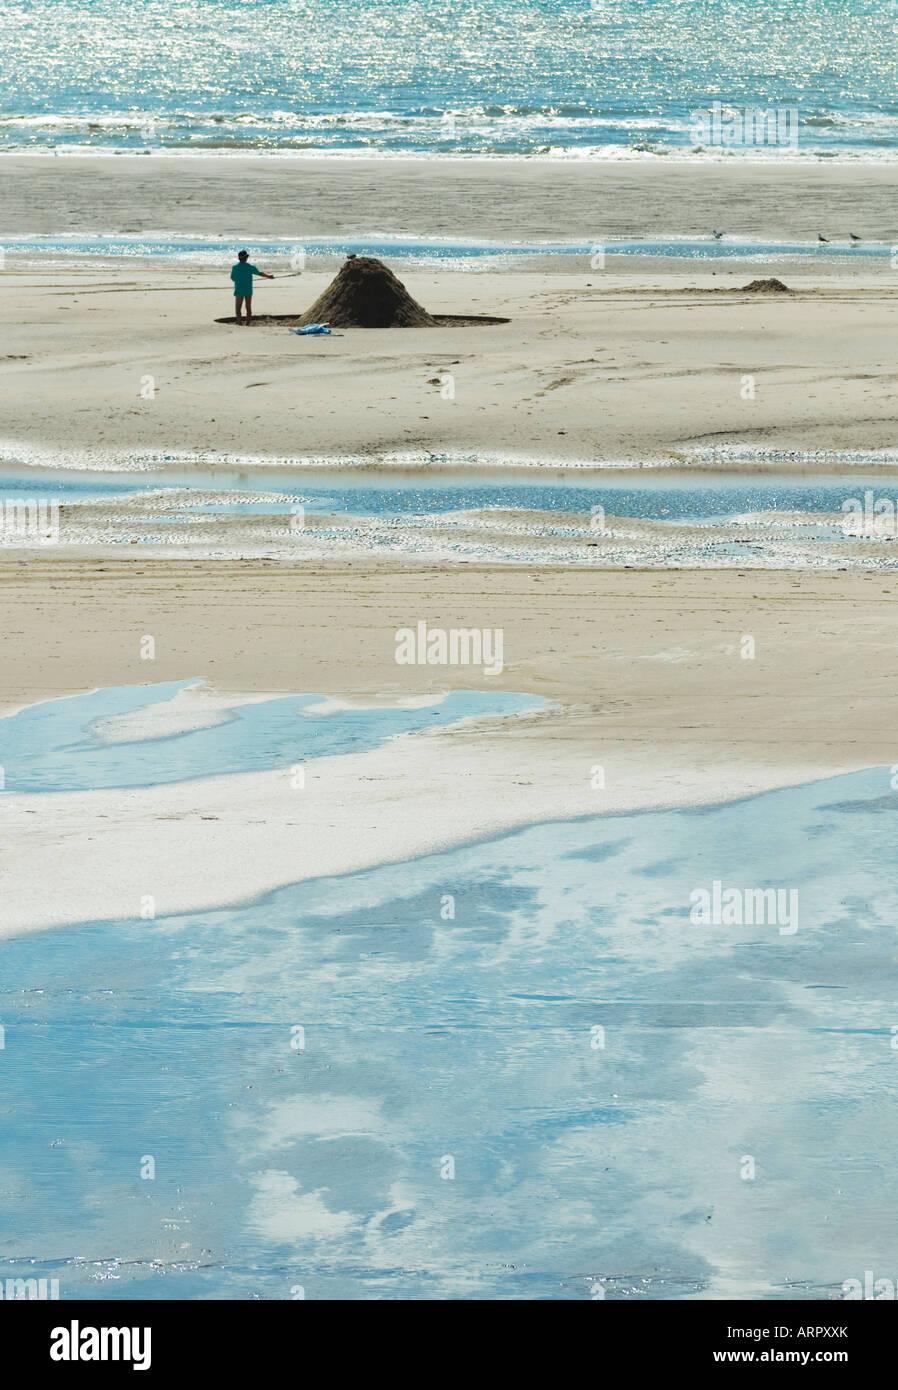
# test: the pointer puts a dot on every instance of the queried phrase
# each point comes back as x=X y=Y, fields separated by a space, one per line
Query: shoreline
x=22 y=459
x=229 y=841
x=591 y=155
x=642 y=672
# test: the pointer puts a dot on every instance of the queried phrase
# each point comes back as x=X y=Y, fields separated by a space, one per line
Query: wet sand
x=502 y=199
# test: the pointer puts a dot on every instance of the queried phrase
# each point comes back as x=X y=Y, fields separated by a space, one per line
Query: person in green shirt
x=242 y=274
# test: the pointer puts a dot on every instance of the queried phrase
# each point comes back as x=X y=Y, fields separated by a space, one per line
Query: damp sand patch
x=437 y=321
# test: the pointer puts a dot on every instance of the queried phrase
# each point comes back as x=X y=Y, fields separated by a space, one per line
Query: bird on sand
x=717 y=235
x=854 y=238
x=821 y=237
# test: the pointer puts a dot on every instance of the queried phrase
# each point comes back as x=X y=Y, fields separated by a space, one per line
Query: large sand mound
x=366 y=294
x=766 y=287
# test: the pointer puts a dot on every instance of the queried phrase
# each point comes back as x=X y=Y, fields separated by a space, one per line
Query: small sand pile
x=766 y=287
x=366 y=294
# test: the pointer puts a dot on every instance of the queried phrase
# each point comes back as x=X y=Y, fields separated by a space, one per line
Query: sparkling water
x=620 y=78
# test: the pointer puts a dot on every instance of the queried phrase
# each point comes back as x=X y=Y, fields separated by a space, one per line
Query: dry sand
x=586 y=369
x=593 y=365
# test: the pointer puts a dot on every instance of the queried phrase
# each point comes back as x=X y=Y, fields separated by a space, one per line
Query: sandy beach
x=643 y=671
x=634 y=361
x=202 y=871
x=584 y=369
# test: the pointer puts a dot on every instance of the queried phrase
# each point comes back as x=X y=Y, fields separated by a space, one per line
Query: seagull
x=717 y=235
x=854 y=238
x=821 y=237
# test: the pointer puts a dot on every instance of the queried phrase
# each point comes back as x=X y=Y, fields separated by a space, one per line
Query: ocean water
x=617 y=78
x=651 y=517
x=657 y=496
x=75 y=744
x=511 y=1070
x=326 y=254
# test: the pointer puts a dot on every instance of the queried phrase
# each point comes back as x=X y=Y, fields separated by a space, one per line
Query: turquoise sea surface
x=616 y=78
